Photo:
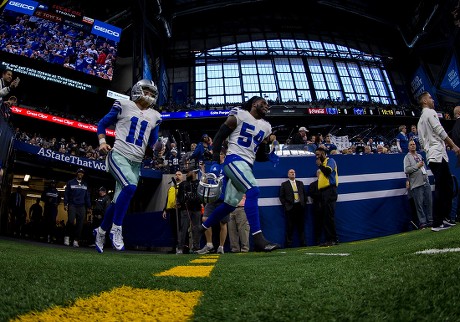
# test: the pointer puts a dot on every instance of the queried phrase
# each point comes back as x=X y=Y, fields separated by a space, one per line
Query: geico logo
x=21 y=5
x=107 y=31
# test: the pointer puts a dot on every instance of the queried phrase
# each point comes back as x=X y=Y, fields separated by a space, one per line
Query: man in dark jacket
x=101 y=205
x=293 y=199
x=190 y=211
x=17 y=207
x=51 y=199
x=77 y=203
x=456 y=138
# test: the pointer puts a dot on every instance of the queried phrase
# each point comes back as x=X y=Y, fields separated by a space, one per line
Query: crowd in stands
x=56 y=43
x=190 y=105
x=167 y=157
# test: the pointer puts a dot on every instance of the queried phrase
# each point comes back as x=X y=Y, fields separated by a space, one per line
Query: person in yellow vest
x=169 y=211
x=328 y=180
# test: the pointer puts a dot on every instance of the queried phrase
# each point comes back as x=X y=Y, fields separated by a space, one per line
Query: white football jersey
x=248 y=134
x=133 y=129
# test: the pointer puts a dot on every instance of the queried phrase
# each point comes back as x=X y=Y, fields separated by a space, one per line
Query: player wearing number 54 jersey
x=136 y=127
x=248 y=135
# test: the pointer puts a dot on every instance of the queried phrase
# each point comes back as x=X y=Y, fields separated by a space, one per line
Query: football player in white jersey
x=136 y=127
x=248 y=134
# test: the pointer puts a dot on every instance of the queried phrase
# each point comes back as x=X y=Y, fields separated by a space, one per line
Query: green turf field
x=371 y=280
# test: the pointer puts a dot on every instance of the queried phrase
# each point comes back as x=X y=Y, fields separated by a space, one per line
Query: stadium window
x=275 y=69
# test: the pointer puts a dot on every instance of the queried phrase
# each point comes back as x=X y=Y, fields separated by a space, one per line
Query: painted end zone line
x=328 y=254
x=438 y=251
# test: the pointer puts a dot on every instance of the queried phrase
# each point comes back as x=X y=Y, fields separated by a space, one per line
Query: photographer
x=190 y=211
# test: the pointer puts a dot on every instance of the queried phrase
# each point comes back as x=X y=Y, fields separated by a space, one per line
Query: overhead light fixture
x=27 y=178
x=20 y=185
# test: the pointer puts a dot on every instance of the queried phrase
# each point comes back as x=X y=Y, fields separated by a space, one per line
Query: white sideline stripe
x=438 y=251
x=328 y=254
x=342 y=179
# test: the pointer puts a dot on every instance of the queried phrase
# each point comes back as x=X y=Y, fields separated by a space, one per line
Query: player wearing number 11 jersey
x=248 y=135
x=136 y=126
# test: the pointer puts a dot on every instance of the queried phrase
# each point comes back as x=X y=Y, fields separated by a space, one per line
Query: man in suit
x=293 y=198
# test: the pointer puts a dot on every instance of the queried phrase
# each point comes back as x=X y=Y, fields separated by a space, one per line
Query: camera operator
x=190 y=211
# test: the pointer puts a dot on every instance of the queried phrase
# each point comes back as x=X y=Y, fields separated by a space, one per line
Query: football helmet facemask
x=210 y=188
x=137 y=92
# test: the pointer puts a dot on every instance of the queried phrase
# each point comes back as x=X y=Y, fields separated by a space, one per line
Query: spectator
x=327 y=190
x=300 y=137
x=170 y=210
x=380 y=149
x=359 y=146
x=50 y=197
x=433 y=139
x=413 y=135
x=293 y=198
x=419 y=186
x=367 y=150
x=187 y=155
x=238 y=229
x=203 y=151
x=77 y=203
x=329 y=146
x=372 y=145
x=173 y=161
x=402 y=141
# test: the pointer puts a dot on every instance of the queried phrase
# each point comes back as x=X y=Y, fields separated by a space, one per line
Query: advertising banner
x=107 y=31
x=24 y=6
x=451 y=80
x=421 y=83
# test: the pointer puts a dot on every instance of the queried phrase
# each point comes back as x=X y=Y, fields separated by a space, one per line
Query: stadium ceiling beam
x=360 y=13
x=121 y=14
x=211 y=6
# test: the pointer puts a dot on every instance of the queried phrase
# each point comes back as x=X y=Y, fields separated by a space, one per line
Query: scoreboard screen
x=386 y=111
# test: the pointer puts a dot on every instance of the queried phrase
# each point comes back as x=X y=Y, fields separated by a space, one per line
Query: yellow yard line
x=204 y=261
x=188 y=271
x=123 y=304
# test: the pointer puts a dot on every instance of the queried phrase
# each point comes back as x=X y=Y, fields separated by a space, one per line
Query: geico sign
x=107 y=31
x=21 y=5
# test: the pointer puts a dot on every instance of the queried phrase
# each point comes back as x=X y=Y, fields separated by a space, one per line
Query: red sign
x=66 y=11
x=317 y=111
x=58 y=120
x=48 y=16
